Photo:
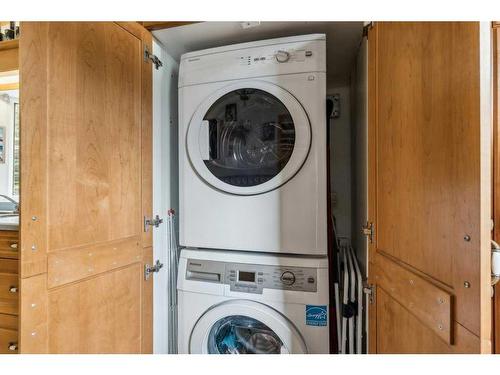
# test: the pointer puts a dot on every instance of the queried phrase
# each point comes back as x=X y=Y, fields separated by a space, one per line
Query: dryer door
x=248 y=138
x=245 y=327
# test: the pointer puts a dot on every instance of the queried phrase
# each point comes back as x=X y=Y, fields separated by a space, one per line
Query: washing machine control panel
x=253 y=278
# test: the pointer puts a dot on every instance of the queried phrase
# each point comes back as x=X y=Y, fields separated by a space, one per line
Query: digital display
x=246 y=276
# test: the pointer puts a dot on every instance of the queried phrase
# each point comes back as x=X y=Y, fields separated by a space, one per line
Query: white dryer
x=252 y=148
x=232 y=302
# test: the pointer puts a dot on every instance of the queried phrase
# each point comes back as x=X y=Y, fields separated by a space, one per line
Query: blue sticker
x=316 y=315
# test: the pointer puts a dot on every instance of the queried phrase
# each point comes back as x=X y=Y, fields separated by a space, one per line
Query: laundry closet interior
x=345 y=87
x=225 y=187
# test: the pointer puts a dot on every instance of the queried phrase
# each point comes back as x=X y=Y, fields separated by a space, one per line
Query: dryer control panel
x=300 y=54
x=280 y=56
x=253 y=278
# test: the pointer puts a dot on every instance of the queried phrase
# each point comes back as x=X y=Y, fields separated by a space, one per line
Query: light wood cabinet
x=9 y=292
x=9 y=239
x=429 y=193
x=8 y=341
x=86 y=170
x=9 y=243
x=9 y=55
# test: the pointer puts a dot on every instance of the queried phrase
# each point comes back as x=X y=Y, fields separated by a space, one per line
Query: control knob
x=282 y=56
x=287 y=278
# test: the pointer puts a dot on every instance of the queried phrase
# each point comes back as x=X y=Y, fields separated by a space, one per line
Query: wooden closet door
x=428 y=189
x=496 y=172
x=85 y=188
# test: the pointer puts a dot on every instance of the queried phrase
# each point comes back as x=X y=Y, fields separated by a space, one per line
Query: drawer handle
x=13 y=289
x=13 y=346
x=13 y=246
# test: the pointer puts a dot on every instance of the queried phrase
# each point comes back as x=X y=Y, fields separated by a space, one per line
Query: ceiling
x=343 y=39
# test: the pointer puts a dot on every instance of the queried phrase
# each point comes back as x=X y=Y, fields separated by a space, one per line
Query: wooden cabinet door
x=429 y=194
x=85 y=188
x=496 y=172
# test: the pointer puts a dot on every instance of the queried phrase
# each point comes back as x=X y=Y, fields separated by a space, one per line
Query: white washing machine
x=232 y=302
x=252 y=148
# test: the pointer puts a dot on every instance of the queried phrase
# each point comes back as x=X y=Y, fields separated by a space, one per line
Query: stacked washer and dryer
x=253 y=277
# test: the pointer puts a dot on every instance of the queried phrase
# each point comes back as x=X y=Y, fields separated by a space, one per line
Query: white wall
x=360 y=154
x=165 y=183
x=359 y=88
x=7 y=121
x=340 y=162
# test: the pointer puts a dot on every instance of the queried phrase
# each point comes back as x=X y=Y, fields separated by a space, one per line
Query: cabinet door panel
x=98 y=315
x=429 y=186
x=94 y=134
x=83 y=129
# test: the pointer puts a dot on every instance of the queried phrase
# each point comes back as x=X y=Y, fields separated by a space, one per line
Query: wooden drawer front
x=9 y=286
x=9 y=244
x=8 y=322
x=9 y=306
x=8 y=341
x=9 y=266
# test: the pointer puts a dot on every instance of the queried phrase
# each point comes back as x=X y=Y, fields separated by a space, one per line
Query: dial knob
x=287 y=278
x=282 y=56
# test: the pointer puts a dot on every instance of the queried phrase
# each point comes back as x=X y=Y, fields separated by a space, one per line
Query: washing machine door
x=245 y=327
x=248 y=138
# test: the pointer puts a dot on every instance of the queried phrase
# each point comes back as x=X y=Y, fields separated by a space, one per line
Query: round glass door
x=240 y=334
x=249 y=138
x=245 y=327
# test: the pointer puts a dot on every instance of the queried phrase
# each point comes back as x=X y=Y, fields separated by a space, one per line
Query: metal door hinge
x=366 y=28
x=148 y=222
x=148 y=270
x=148 y=56
x=369 y=231
x=495 y=262
x=335 y=98
x=369 y=289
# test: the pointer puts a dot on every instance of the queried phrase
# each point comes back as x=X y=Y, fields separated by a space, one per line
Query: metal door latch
x=148 y=270
x=368 y=231
x=152 y=222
